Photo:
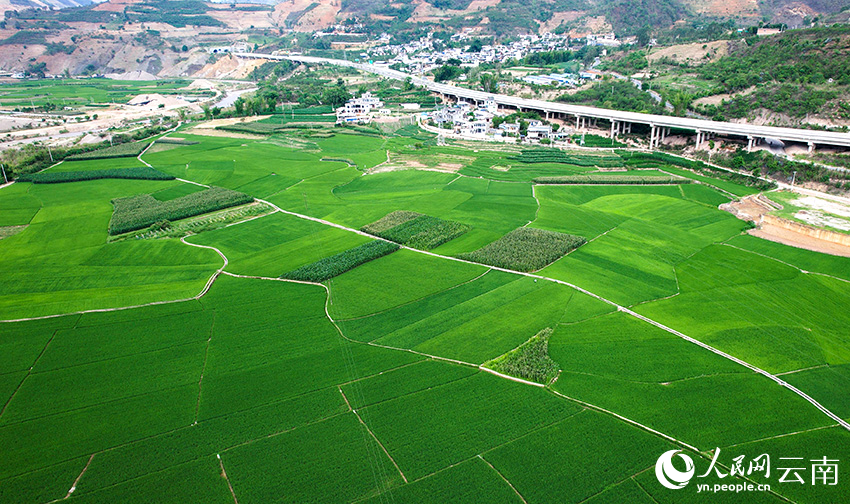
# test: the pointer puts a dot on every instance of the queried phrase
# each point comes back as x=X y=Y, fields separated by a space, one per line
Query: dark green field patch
x=529 y=361
x=58 y=177
x=421 y=231
x=525 y=249
x=137 y=212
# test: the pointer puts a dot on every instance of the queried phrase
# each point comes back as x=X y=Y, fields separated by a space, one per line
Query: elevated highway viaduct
x=620 y=121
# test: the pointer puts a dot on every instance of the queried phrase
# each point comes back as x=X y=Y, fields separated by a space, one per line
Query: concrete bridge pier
x=653 y=131
x=699 y=139
x=811 y=147
x=749 y=144
x=614 y=128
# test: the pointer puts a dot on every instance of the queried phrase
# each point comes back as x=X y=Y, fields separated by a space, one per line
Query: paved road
x=697 y=125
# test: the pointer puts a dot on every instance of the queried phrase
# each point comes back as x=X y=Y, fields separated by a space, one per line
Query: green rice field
x=360 y=335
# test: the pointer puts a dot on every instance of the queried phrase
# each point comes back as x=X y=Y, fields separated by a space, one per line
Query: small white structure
x=358 y=110
x=410 y=106
x=538 y=130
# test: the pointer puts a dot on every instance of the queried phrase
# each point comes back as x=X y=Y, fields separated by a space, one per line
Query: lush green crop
x=54 y=177
x=609 y=178
x=137 y=212
x=420 y=231
x=525 y=249
x=131 y=149
x=529 y=361
x=338 y=264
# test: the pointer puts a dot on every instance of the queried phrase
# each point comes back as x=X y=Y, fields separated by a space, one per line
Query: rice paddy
x=188 y=366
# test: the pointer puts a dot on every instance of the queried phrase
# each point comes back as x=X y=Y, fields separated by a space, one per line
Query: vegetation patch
x=338 y=264
x=416 y=230
x=124 y=150
x=7 y=231
x=608 y=178
x=196 y=225
x=530 y=361
x=140 y=173
x=143 y=210
x=525 y=249
x=390 y=221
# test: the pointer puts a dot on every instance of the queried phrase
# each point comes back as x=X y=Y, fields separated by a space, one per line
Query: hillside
x=174 y=38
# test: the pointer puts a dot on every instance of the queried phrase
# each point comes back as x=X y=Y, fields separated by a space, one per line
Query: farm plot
x=416 y=230
x=137 y=212
x=338 y=264
x=484 y=322
x=526 y=249
x=651 y=230
x=67 y=238
x=647 y=374
x=426 y=431
x=277 y=243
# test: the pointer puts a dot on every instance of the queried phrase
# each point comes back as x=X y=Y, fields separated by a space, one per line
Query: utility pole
x=3 y=168
x=794 y=177
x=50 y=152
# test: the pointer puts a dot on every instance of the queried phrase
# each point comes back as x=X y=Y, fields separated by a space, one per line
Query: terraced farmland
x=336 y=340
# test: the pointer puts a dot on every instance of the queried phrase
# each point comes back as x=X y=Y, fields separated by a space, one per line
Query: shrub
x=338 y=264
x=530 y=361
x=141 y=173
x=525 y=249
x=140 y=211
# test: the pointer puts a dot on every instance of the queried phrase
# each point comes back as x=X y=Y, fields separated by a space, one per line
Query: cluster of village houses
x=419 y=56
x=464 y=118
x=476 y=120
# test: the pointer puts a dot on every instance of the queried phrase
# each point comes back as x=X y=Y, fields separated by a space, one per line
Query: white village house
x=358 y=110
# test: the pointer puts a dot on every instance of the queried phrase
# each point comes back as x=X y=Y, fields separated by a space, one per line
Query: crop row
x=139 y=172
x=338 y=264
x=559 y=156
x=525 y=249
x=131 y=149
x=143 y=210
x=421 y=232
x=530 y=361
x=612 y=179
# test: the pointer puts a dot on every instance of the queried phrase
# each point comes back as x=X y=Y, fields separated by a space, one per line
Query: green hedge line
x=338 y=264
x=612 y=179
x=140 y=211
x=525 y=249
x=416 y=230
x=140 y=172
x=132 y=149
